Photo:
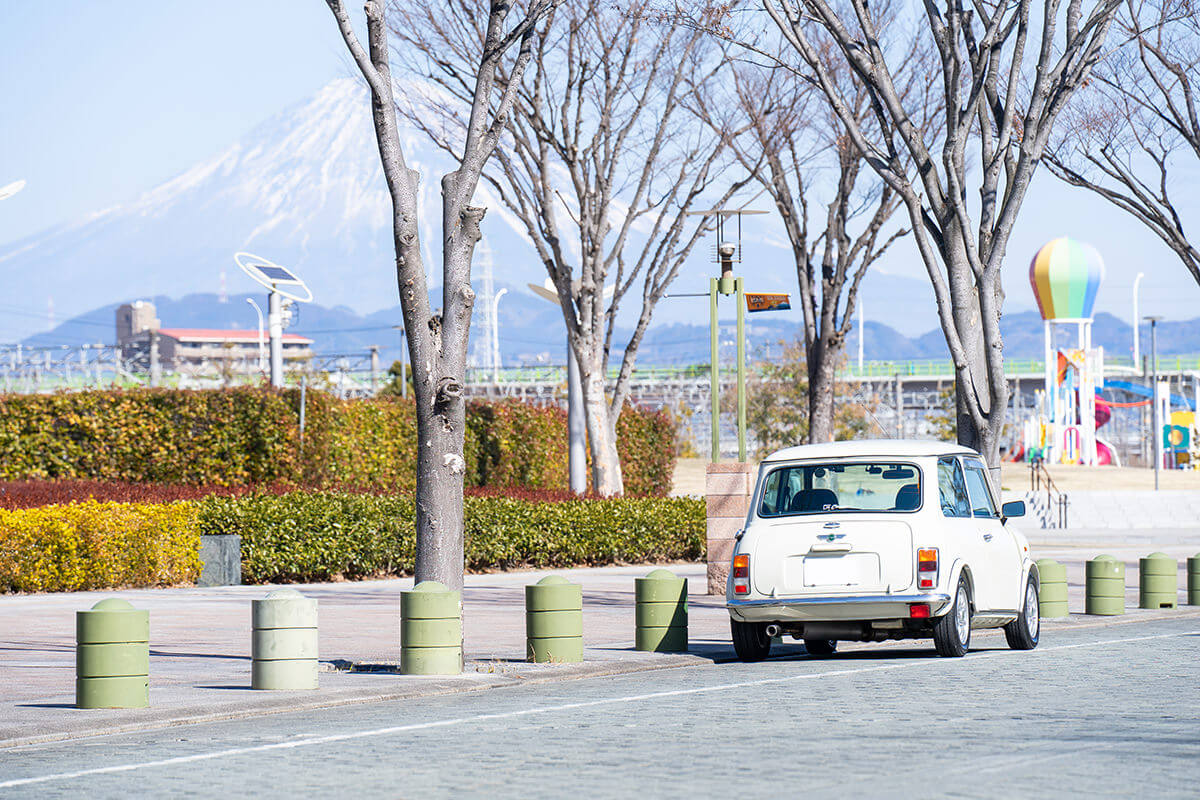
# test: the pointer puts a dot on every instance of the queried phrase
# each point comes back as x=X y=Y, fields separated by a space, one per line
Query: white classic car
x=875 y=540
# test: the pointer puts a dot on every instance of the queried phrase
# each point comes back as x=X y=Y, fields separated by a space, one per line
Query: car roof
x=873 y=448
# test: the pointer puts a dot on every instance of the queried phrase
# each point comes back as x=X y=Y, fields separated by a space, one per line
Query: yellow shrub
x=94 y=545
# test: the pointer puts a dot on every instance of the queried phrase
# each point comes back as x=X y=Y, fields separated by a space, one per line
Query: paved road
x=1110 y=710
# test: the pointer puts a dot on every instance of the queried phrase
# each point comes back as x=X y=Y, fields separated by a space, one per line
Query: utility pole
x=496 y=337
x=1156 y=423
x=374 y=366
x=275 y=332
x=155 y=366
x=576 y=426
x=899 y=407
x=862 y=313
x=1136 y=320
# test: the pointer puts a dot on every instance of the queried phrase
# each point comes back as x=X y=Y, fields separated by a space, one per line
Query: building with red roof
x=199 y=350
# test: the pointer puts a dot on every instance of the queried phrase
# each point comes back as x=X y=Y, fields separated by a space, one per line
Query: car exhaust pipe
x=773 y=630
x=844 y=631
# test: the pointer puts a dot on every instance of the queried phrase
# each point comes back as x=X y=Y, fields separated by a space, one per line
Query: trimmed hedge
x=318 y=536
x=228 y=438
x=251 y=436
x=93 y=545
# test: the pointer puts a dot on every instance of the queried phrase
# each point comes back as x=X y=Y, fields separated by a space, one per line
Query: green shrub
x=93 y=545
x=227 y=437
x=251 y=436
x=317 y=536
x=646 y=445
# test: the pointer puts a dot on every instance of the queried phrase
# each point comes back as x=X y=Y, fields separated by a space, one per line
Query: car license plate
x=851 y=569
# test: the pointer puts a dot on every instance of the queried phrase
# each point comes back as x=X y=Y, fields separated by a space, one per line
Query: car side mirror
x=1014 y=509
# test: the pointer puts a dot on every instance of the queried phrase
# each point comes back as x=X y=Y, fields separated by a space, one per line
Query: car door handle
x=987 y=537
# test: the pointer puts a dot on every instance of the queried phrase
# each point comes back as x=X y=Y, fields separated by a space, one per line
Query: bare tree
x=1138 y=118
x=601 y=165
x=1004 y=81
x=437 y=341
x=775 y=121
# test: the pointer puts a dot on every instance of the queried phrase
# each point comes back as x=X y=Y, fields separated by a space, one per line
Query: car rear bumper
x=831 y=608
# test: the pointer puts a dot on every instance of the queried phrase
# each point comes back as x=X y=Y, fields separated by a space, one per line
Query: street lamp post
x=496 y=336
x=1155 y=424
x=1136 y=320
x=862 y=313
x=261 y=365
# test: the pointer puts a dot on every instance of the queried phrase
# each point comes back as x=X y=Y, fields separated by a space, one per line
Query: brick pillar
x=727 y=490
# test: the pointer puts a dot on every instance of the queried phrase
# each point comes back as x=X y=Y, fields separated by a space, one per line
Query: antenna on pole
x=727 y=250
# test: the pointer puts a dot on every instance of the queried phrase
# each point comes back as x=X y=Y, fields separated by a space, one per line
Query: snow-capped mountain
x=305 y=189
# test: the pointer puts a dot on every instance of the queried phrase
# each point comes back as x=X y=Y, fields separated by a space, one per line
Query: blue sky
x=103 y=100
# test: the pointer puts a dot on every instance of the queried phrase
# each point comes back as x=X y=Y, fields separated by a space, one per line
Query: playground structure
x=1072 y=407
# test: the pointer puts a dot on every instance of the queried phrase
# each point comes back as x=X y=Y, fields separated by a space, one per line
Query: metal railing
x=1056 y=500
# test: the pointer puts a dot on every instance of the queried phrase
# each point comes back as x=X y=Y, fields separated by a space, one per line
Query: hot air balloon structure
x=1065 y=275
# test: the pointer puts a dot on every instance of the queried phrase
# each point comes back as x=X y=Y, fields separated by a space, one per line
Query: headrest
x=813 y=500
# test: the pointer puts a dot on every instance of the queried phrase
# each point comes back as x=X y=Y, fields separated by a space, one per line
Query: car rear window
x=875 y=486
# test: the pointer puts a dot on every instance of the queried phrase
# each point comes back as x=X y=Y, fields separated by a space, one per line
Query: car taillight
x=927 y=568
x=741 y=574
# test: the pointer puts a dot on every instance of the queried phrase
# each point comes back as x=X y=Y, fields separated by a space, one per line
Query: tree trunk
x=602 y=435
x=440 y=468
x=821 y=374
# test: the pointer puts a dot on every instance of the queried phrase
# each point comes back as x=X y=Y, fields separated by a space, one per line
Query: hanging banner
x=767 y=301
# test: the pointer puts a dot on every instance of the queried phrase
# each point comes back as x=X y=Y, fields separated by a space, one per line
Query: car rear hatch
x=867 y=555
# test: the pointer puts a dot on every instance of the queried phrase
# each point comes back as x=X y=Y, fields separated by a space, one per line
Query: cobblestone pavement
x=1103 y=710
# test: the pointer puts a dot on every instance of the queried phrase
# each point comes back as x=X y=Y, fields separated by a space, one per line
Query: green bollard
x=112 y=656
x=554 y=620
x=1104 y=593
x=431 y=630
x=283 y=644
x=1193 y=580
x=660 y=612
x=1158 y=581
x=1052 y=588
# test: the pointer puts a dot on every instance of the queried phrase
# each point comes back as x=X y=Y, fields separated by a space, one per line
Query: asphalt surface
x=1109 y=710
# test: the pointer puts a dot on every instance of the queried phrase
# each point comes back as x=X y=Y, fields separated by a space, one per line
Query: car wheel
x=1022 y=633
x=952 y=631
x=750 y=640
x=820 y=647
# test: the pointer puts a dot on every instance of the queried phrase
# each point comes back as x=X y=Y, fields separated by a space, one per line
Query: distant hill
x=532 y=331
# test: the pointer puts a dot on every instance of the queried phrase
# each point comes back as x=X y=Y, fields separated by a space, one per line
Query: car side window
x=771 y=494
x=952 y=488
x=982 y=504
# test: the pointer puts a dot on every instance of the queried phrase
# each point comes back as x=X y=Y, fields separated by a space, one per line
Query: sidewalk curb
x=470 y=681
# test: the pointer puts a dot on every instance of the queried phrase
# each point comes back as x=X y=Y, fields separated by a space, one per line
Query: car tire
x=750 y=640
x=1023 y=632
x=952 y=630
x=820 y=647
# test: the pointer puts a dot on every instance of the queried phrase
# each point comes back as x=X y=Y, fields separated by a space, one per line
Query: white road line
x=343 y=737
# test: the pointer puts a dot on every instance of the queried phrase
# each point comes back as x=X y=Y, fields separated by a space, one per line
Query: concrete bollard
x=1052 y=588
x=1158 y=581
x=660 y=613
x=1193 y=580
x=554 y=620
x=112 y=656
x=431 y=630
x=283 y=644
x=1104 y=592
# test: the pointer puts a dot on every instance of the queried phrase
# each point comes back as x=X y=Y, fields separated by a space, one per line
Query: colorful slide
x=1106 y=454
